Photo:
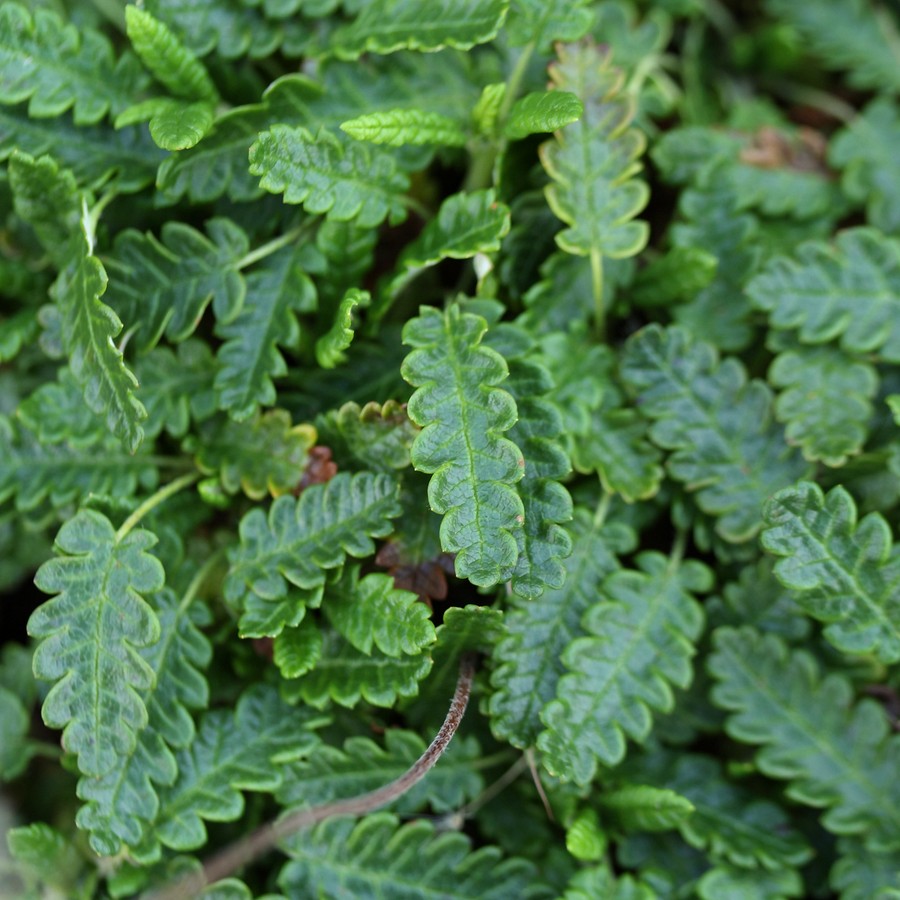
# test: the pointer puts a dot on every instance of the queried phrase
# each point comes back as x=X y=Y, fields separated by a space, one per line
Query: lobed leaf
x=174 y=124
x=639 y=643
x=726 y=448
x=540 y=112
x=841 y=571
x=545 y=22
x=376 y=436
x=342 y=181
x=835 y=753
x=397 y=127
x=463 y=415
x=860 y=873
x=640 y=807
x=330 y=346
x=302 y=538
x=89 y=636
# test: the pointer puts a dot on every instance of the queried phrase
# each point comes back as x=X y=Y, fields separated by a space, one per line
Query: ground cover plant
x=346 y=342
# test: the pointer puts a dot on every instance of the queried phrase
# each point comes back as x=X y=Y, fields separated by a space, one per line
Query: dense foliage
x=340 y=337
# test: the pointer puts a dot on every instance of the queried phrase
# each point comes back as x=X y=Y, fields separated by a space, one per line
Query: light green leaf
x=846 y=291
x=592 y=162
x=374 y=856
x=841 y=572
x=174 y=124
x=826 y=401
x=397 y=127
x=298 y=649
x=725 y=446
x=527 y=658
x=233 y=752
x=640 y=807
x=46 y=855
x=171 y=63
x=835 y=753
x=542 y=111
x=598 y=881
x=864 y=150
x=639 y=644
x=89 y=638
x=544 y=22
x=331 y=346
x=55 y=67
x=302 y=538
x=463 y=415
x=487 y=109
x=385 y=26
x=341 y=181
x=164 y=286
x=249 y=359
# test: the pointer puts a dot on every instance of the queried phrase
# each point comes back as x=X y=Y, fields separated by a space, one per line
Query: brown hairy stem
x=250 y=848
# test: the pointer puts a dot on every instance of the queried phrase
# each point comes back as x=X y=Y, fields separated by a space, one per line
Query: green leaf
x=171 y=63
x=675 y=277
x=341 y=181
x=848 y=34
x=397 y=127
x=841 y=572
x=174 y=124
x=487 y=110
x=331 y=346
x=864 y=150
x=640 y=807
x=376 y=437
x=639 y=643
x=363 y=765
x=370 y=612
x=848 y=291
x=297 y=650
x=302 y=538
x=527 y=658
x=592 y=162
x=56 y=413
x=47 y=855
x=346 y=675
x=164 y=286
x=55 y=67
x=89 y=638
x=540 y=112
x=584 y=838
x=463 y=415
x=121 y=805
x=739 y=884
x=545 y=22
x=726 y=448
x=860 y=874
x=266 y=455
x=374 y=856
x=249 y=359
x=599 y=882
x=826 y=403
x=232 y=752
x=834 y=753
x=385 y=26
x=16 y=749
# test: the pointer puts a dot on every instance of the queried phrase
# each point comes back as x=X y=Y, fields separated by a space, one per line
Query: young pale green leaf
x=121 y=805
x=174 y=124
x=385 y=26
x=527 y=659
x=331 y=346
x=487 y=110
x=363 y=765
x=726 y=447
x=370 y=612
x=540 y=112
x=249 y=359
x=397 y=127
x=848 y=34
x=543 y=541
x=265 y=455
x=164 y=286
x=640 y=807
x=346 y=676
x=598 y=881
x=89 y=634
x=374 y=857
x=304 y=537
x=639 y=643
x=592 y=162
x=232 y=752
x=171 y=63
x=463 y=414
x=545 y=22
x=843 y=572
x=826 y=401
x=848 y=291
x=297 y=650
x=377 y=436
x=835 y=754
x=864 y=150
x=342 y=181
x=55 y=67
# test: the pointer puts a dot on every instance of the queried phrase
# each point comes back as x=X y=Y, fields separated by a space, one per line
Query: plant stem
x=602 y=509
x=597 y=290
x=272 y=246
x=247 y=849
x=153 y=501
x=677 y=552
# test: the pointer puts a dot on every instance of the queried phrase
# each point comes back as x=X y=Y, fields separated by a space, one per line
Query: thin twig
x=250 y=848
